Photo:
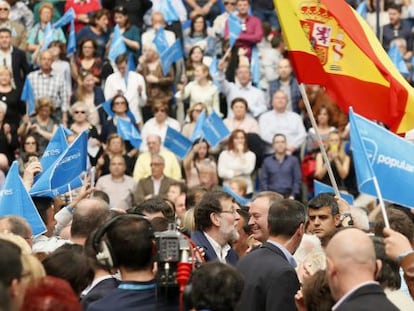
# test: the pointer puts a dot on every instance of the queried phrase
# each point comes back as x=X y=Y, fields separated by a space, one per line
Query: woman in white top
x=201 y=90
x=237 y=160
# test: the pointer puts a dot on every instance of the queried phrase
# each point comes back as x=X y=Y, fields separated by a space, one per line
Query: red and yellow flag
x=331 y=45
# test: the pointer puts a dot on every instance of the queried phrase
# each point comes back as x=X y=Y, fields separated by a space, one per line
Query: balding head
x=351 y=261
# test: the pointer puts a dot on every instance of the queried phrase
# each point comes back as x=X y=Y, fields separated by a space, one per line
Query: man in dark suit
x=269 y=271
x=156 y=184
x=351 y=270
x=216 y=221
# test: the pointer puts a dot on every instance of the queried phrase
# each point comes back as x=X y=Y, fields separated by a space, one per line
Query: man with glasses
x=18 y=31
x=216 y=221
x=156 y=184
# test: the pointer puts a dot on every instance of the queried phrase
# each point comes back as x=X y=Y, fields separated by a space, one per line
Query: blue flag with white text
x=160 y=40
x=198 y=128
x=235 y=28
x=128 y=131
x=398 y=60
x=68 y=17
x=65 y=173
x=168 y=11
x=47 y=37
x=170 y=56
x=239 y=199
x=380 y=153
x=71 y=47
x=14 y=200
x=54 y=149
x=214 y=129
x=28 y=96
x=118 y=45
x=177 y=143
x=324 y=188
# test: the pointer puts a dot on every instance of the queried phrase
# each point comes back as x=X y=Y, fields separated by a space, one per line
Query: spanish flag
x=331 y=45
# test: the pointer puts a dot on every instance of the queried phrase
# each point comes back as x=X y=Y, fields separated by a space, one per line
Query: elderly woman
x=241 y=120
x=41 y=125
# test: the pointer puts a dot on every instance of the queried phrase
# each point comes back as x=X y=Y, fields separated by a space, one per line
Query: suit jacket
x=200 y=239
x=366 y=298
x=100 y=290
x=270 y=281
x=146 y=187
x=20 y=67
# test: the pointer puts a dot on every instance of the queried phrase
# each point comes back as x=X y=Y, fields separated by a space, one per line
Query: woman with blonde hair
x=11 y=97
x=193 y=113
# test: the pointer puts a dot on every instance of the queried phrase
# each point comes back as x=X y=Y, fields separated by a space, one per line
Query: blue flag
x=323 y=188
x=177 y=143
x=14 y=200
x=239 y=199
x=71 y=47
x=118 y=45
x=68 y=17
x=168 y=11
x=213 y=68
x=380 y=153
x=255 y=66
x=214 y=129
x=362 y=9
x=398 y=60
x=47 y=37
x=65 y=173
x=221 y=6
x=28 y=96
x=107 y=108
x=170 y=56
x=235 y=28
x=160 y=40
x=131 y=66
x=128 y=131
x=54 y=148
x=198 y=128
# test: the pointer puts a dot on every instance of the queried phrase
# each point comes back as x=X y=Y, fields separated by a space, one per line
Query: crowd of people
x=249 y=226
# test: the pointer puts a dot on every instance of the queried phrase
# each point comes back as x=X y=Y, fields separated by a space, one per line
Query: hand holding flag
x=118 y=45
x=128 y=131
x=177 y=143
x=235 y=28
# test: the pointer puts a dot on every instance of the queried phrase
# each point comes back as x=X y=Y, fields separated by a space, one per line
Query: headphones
x=102 y=247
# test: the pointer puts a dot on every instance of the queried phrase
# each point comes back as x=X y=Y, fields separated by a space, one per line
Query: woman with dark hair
x=198 y=155
x=97 y=31
x=240 y=119
x=195 y=58
x=86 y=60
x=198 y=35
x=323 y=122
x=237 y=160
x=130 y=33
x=28 y=152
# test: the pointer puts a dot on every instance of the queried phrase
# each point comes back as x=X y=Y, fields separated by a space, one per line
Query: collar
x=221 y=251
x=348 y=294
x=137 y=286
x=159 y=180
x=241 y=87
x=285 y=252
x=41 y=73
x=96 y=281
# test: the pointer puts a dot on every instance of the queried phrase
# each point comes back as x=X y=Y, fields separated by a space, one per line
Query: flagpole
x=381 y=202
x=318 y=137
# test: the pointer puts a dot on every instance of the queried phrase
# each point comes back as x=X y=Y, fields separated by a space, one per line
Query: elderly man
x=142 y=166
x=281 y=121
x=18 y=31
x=351 y=271
x=216 y=221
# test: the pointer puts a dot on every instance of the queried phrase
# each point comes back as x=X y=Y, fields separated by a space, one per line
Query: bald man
x=351 y=269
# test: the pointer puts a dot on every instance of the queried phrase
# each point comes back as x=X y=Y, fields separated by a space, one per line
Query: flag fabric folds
x=177 y=143
x=54 y=148
x=324 y=188
x=28 y=96
x=362 y=9
x=235 y=28
x=14 y=200
x=47 y=37
x=239 y=199
x=168 y=11
x=71 y=47
x=331 y=45
x=170 y=56
x=381 y=154
x=398 y=60
x=160 y=40
x=128 y=132
x=198 y=128
x=68 y=17
x=65 y=173
x=106 y=105
x=255 y=66
x=118 y=45
x=214 y=129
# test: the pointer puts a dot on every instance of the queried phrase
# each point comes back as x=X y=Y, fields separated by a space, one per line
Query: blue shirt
x=283 y=177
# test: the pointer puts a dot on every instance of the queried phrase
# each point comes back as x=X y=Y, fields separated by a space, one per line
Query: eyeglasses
x=82 y=112
x=156 y=164
x=30 y=143
x=198 y=110
x=159 y=110
x=4 y=9
x=120 y=103
x=231 y=211
x=229 y=3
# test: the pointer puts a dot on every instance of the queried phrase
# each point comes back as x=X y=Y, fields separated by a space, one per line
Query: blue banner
x=71 y=47
x=170 y=56
x=398 y=60
x=235 y=28
x=160 y=40
x=128 y=131
x=118 y=45
x=168 y=11
x=68 y=17
x=54 y=149
x=177 y=143
x=380 y=153
x=14 y=200
x=323 y=188
x=28 y=96
x=362 y=9
x=198 y=128
x=255 y=66
x=242 y=201
x=47 y=37
x=66 y=170
x=214 y=129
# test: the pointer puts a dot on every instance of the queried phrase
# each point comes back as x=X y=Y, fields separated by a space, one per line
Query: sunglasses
x=4 y=9
x=229 y=3
x=77 y=112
